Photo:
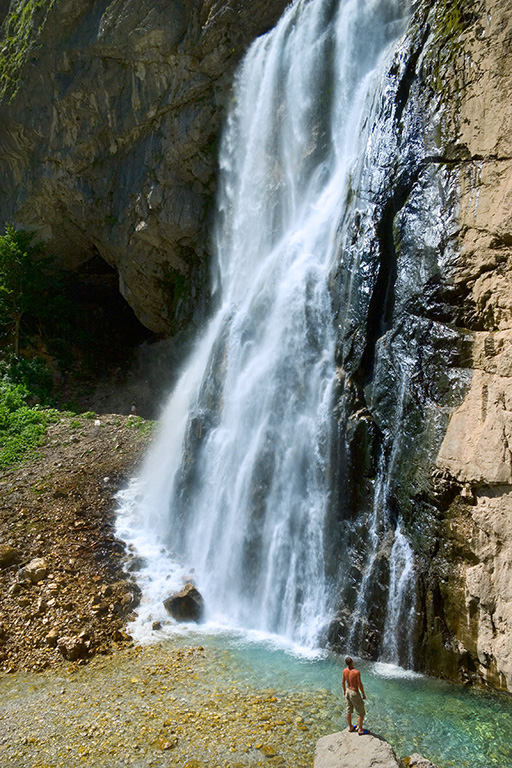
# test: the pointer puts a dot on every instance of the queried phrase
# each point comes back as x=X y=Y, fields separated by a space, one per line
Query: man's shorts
x=354 y=701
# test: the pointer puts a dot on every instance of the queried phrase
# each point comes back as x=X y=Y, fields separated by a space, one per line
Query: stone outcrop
x=348 y=750
x=109 y=131
x=185 y=605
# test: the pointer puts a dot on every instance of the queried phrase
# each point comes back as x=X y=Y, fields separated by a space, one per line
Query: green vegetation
x=449 y=24
x=21 y=29
x=39 y=315
x=34 y=374
x=143 y=426
x=22 y=428
x=30 y=299
x=48 y=346
x=449 y=20
x=24 y=281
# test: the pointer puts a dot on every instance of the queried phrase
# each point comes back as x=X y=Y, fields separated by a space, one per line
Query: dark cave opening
x=96 y=343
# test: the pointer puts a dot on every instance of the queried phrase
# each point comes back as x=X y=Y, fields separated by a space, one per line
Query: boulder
x=8 y=555
x=73 y=648
x=35 y=571
x=348 y=750
x=186 y=605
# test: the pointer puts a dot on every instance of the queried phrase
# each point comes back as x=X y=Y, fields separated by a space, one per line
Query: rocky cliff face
x=424 y=361
x=110 y=117
x=458 y=478
x=476 y=450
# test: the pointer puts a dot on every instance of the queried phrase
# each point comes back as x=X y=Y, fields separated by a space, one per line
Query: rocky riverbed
x=65 y=581
x=158 y=705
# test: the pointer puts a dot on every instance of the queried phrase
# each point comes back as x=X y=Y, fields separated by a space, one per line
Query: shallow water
x=451 y=725
x=222 y=700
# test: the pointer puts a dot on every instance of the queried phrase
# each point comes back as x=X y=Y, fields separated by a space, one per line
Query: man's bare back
x=352 y=678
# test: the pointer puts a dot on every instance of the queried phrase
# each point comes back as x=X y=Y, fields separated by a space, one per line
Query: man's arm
x=360 y=683
x=343 y=680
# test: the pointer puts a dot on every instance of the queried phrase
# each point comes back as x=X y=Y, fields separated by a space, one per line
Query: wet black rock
x=186 y=605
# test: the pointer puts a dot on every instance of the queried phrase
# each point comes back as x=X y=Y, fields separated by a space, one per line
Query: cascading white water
x=401 y=584
x=237 y=486
x=401 y=566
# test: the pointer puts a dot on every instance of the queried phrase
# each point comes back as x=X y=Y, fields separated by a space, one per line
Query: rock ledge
x=348 y=750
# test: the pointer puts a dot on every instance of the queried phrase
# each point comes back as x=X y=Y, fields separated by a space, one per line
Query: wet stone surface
x=160 y=705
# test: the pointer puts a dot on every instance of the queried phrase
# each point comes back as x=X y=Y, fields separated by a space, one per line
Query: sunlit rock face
x=109 y=143
x=476 y=450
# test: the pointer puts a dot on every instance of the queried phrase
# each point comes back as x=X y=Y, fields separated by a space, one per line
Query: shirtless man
x=351 y=682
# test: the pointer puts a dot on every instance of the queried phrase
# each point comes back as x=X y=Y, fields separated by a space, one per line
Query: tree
x=23 y=281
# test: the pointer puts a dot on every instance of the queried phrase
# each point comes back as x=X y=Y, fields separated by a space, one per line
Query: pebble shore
x=158 y=706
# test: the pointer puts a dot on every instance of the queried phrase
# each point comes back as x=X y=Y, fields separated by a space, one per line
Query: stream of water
x=237 y=489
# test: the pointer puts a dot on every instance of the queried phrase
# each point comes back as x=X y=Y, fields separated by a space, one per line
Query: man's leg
x=349 y=715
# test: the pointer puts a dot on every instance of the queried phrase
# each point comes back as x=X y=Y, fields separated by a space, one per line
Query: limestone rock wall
x=109 y=132
x=425 y=365
x=477 y=448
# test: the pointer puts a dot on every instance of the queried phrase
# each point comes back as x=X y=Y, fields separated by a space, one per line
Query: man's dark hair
x=348 y=661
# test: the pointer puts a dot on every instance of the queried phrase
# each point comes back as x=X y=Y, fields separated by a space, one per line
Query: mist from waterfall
x=237 y=487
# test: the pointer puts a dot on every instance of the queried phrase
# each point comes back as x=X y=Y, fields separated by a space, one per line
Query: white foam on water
x=394 y=671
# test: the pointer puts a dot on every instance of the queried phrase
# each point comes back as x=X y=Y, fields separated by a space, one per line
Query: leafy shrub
x=24 y=280
x=33 y=374
x=22 y=428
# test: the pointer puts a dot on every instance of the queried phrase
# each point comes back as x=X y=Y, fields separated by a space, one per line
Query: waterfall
x=400 y=604
x=238 y=486
x=400 y=600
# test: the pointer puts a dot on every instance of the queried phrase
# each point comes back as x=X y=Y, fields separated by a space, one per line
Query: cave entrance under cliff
x=99 y=352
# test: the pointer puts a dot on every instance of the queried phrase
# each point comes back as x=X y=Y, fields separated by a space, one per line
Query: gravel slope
x=58 y=506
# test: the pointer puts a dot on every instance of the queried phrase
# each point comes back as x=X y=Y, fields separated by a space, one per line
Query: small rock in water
x=268 y=750
x=417 y=761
